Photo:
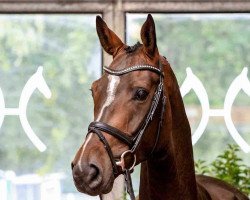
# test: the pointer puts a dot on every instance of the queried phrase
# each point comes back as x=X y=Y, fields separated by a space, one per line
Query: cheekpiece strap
x=151 y=112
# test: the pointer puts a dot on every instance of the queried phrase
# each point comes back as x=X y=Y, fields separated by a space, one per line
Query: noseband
x=133 y=141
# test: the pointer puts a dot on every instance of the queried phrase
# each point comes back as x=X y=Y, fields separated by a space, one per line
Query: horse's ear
x=148 y=36
x=109 y=40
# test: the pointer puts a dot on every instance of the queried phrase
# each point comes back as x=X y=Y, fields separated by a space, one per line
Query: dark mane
x=130 y=49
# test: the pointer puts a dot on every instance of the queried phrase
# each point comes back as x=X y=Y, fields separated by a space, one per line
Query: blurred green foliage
x=229 y=167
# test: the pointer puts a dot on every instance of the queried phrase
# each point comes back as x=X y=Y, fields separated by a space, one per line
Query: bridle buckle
x=127 y=161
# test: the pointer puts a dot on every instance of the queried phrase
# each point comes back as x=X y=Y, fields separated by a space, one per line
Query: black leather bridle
x=133 y=142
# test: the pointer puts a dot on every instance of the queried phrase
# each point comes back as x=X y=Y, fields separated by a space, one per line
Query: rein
x=97 y=127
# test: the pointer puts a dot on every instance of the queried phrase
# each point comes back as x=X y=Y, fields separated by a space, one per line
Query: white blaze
x=111 y=89
x=83 y=149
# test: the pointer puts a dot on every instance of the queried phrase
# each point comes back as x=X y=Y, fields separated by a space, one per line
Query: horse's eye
x=141 y=94
x=91 y=90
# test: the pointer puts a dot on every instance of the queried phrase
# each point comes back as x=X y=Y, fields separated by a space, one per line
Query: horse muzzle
x=88 y=178
x=91 y=169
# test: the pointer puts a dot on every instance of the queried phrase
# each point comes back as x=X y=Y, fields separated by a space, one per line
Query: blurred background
x=213 y=41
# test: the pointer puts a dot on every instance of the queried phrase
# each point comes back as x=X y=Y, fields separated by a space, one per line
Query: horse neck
x=170 y=173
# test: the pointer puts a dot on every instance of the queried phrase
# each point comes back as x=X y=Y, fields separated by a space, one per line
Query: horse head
x=122 y=98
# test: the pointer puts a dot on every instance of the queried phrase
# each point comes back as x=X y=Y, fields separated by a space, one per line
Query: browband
x=133 y=68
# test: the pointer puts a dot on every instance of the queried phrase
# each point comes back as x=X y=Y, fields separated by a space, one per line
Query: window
x=67 y=47
x=61 y=36
x=214 y=47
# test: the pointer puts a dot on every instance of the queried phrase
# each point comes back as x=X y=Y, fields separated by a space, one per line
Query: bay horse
x=139 y=117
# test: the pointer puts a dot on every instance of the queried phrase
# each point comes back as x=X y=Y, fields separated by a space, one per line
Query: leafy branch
x=229 y=168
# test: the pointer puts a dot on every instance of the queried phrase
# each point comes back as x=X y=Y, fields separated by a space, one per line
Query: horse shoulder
x=217 y=189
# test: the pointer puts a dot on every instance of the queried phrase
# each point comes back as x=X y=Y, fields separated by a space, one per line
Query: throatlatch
x=128 y=158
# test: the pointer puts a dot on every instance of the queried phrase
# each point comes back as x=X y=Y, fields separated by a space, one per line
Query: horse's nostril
x=72 y=165
x=94 y=172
